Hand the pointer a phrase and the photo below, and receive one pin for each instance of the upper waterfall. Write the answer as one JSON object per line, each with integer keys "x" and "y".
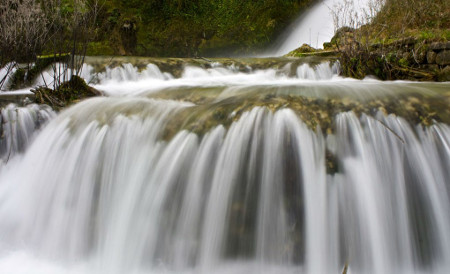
{"x": 315, "y": 27}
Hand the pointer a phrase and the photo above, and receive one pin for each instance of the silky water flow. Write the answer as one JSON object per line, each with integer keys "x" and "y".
{"x": 139, "y": 182}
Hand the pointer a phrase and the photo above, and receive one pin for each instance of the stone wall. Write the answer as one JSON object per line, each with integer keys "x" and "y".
{"x": 438, "y": 58}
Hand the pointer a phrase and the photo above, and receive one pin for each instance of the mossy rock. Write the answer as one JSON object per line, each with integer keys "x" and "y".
{"x": 314, "y": 112}
{"x": 67, "y": 93}
{"x": 305, "y": 48}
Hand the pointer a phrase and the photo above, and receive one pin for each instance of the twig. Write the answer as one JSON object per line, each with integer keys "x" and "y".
{"x": 388, "y": 128}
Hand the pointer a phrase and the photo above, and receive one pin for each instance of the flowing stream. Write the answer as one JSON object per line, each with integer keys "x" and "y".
{"x": 233, "y": 168}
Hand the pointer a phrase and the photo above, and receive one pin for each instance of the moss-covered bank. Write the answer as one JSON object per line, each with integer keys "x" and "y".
{"x": 191, "y": 28}
{"x": 407, "y": 39}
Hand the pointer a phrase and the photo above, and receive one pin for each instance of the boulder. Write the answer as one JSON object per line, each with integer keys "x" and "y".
{"x": 443, "y": 58}
{"x": 440, "y": 45}
{"x": 431, "y": 57}
{"x": 444, "y": 74}
{"x": 66, "y": 94}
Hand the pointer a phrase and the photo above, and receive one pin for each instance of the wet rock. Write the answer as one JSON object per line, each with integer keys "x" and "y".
{"x": 331, "y": 162}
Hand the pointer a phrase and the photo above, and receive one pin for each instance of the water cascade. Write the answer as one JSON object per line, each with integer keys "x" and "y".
{"x": 228, "y": 169}
{"x": 5, "y": 75}
{"x": 314, "y": 27}
{"x": 18, "y": 126}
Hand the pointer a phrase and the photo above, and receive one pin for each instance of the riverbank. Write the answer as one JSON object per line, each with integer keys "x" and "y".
{"x": 404, "y": 58}
{"x": 408, "y": 58}
{"x": 405, "y": 40}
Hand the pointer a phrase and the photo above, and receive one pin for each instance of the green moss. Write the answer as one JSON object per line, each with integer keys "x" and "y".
{"x": 446, "y": 35}
{"x": 427, "y": 35}
{"x": 66, "y": 94}
{"x": 192, "y": 28}
{"x": 99, "y": 48}
{"x": 403, "y": 62}
{"x": 314, "y": 112}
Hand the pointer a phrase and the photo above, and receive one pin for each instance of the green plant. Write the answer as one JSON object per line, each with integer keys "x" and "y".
{"x": 427, "y": 35}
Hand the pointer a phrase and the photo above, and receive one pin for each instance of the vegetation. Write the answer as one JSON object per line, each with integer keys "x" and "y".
{"x": 62, "y": 29}
{"x": 189, "y": 28}
{"x": 30, "y": 28}
{"x": 424, "y": 19}
{"x": 392, "y": 38}
{"x": 65, "y": 94}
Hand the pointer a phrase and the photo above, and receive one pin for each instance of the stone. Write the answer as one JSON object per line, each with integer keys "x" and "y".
{"x": 443, "y": 58}
{"x": 420, "y": 57}
{"x": 405, "y": 42}
{"x": 440, "y": 45}
{"x": 444, "y": 74}
{"x": 431, "y": 57}
{"x": 430, "y": 67}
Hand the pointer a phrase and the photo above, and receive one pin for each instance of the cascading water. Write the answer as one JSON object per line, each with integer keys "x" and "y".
{"x": 316, "y": 26}
{"x": 5, "y": 75}
{"x": 18, "y": 125}
{"x": 234, "y": 170}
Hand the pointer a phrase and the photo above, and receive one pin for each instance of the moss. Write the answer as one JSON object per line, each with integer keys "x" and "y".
{"x": 403, "y": 62}
{"x": 427, "y": 35}
{"x": 314, "y": 112}
{"x": 66, "y": 94}
{"x": 191, "y": 28}
{"x": 306, "y": 50}
{"x": 99, "y": 48}
{"x": 446, "y": 35}
{"x": 18, "y": 79}
{"x": 328, "y": 45}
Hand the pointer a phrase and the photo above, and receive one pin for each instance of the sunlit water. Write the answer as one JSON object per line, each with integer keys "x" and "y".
{"x": 103, "y": 189}
{"x": 316, "y": 26}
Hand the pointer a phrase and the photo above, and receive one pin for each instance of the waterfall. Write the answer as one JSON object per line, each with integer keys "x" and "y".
{"x": 18, "y": 126}
{"x": 316, "y": 25}
{"x": 5, "y": 75}
{"x": 221, "y": 170}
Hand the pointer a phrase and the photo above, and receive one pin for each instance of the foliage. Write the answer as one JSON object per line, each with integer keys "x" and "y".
{"x": 23, "y": 32}
{"x": 53, "y": 27}
{"x": 146, "y": 27}
{"x": 404, "y": 15}
{"x": 199, "y": 27}
{"x": 391, "y": 38}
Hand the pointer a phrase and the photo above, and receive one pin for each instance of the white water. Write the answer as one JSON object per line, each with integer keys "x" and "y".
{"x": 314, "y": 27}
{"x": 5, "y": 75}
{"x": 18, "y": 126}
{"x": 101, "y": 191}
